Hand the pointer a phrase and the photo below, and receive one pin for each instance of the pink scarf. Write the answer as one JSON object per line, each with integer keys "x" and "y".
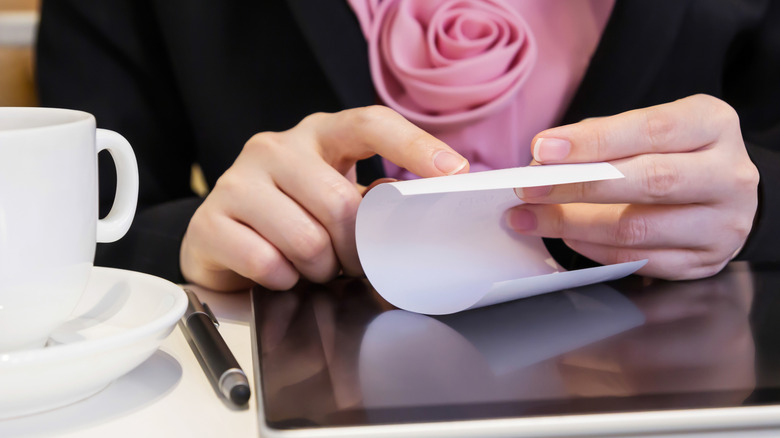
{"x": 484, "y": 76}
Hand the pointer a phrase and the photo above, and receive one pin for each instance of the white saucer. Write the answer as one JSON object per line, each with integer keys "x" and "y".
{"x": 119, "y": 323}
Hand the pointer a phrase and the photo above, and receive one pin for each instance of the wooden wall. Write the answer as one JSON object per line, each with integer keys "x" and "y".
{"x": 16, "y": 63}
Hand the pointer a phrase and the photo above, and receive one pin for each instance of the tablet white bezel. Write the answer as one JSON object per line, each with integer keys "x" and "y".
{"x": 742, "y": 421}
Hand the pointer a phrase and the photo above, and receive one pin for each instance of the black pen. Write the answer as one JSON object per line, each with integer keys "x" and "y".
{"x": 223, "y": 368}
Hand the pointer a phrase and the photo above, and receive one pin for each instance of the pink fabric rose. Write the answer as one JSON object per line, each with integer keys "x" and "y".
{"x": 448, "y": 62}
{"x": 477, "y": 75}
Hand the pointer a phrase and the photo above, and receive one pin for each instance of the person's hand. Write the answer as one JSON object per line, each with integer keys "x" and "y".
{"x": 287, "y": 206}
{"x": 310, "y": 341}
{"x": 688, "y": 200}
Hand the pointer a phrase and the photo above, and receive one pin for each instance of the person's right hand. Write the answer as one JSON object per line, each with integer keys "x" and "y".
{"x": 287, "y": 206}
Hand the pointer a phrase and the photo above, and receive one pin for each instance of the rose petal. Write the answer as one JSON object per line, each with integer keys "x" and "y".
{"x": 478, "y": 69}
{"x": 459, "y": 36}
{"x": 447, "y": 98}
{"x": 445, "y": 29}
{"x": 402, "y": 38}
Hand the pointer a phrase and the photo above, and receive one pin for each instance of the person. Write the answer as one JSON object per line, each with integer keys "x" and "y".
{"x": 280, "y": 101}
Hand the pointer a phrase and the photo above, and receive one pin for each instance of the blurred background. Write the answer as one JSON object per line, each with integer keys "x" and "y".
{"x": 18, "y": 21}
{"x": 18, "y": 25}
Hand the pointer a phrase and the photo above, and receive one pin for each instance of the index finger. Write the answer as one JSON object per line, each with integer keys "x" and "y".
{"x": 359, "y": 133}
{"x": 681, "y": 126}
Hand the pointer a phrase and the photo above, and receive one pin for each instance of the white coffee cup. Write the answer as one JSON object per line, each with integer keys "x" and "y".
{"x": 49, "y": 216}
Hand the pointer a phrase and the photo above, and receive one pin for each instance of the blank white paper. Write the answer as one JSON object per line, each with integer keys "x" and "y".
{"x": 441, "y": 245}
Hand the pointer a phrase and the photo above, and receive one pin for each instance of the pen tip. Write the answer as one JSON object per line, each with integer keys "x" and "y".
{"x": 239, "y": 394}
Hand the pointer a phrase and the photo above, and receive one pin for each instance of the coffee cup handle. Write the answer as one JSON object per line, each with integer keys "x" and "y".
{"x": 112, "y": 227}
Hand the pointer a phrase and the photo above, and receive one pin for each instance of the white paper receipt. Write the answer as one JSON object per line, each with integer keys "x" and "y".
{"x": 441, "y": 245}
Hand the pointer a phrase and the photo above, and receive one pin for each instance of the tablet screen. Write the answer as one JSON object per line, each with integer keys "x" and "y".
{"x": 339, "y": 355}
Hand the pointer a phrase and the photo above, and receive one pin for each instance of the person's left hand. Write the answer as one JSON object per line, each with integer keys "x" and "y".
{"x": 688, "y": 200}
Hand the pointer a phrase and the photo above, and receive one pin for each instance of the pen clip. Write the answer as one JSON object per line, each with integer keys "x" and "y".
{"x": 210, "y": 314}
{"x": 198, "y": 306}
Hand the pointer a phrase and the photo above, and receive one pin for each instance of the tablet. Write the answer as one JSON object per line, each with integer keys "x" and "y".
{"x": 636, "y": 357}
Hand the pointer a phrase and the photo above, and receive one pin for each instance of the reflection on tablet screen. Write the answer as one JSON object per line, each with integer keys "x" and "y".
{"x": 338, "y": 355}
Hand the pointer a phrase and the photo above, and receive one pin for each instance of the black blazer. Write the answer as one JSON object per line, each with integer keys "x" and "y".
{"x": 190, "y": 81}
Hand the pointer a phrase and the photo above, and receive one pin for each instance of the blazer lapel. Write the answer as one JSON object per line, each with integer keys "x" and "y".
{"x": 334, "y": 35}
{"x": 632, "y": 49}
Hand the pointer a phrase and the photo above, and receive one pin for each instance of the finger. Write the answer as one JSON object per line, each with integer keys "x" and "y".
{"x": 325, "y": 318}
{"x": 649, "y": 179}
{"x": 240, "y": 249}
{"x": 359, "y": 133}
{"x": 278, "y": 312}
{"x": 288, "y": 227}
{"x": 620, "y": 225}
{"x": 299, "y": 356}
{"x": 327, "y": 196}
{"x": 651, "y": 346}
{"x": 668, "y": 301}
{"x": 669, "y": 263}
{"x": 681, "y": 126}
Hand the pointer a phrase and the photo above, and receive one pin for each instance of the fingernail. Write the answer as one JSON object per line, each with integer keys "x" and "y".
{"x": 551, "y": 149}
{"x": 532, "y": 192}
{"x": 521, "y": 220}
{"x": 448, "y": 162}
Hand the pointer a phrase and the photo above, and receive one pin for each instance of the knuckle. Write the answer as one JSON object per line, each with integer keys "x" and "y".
{"x": 229, "y": 183}
{"x": 718, "y": 113}
{"x": 265, "y": 142}
{"x": 368, "y": 115}
{"x": 288, "y": 282}
{"x": 601, "y": 142}
{"x": 659, "y": 127}
{"x": 725, "y": 115}
{"x": 378, "y": 112}
{"x": 313, "y": 118}
{"x": 631, "y": 230}
{"x": 282, "y": 279}
{"x": 202, "y": 223}
{"x": 661, "y": 179}
{"x": 342, "y": 201}
{"x": 323, "y": 275}
{"x": 703, "y": 100}
{"x": 716, "y": 102}
{"x": 741, "y": 226}
{"x": 746, "y": 176}
{"x": 309, "y": 243}
{"x": 263, "y": 265}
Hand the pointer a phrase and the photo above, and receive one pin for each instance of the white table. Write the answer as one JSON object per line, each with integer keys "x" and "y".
{"x": 169, "y": 395}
